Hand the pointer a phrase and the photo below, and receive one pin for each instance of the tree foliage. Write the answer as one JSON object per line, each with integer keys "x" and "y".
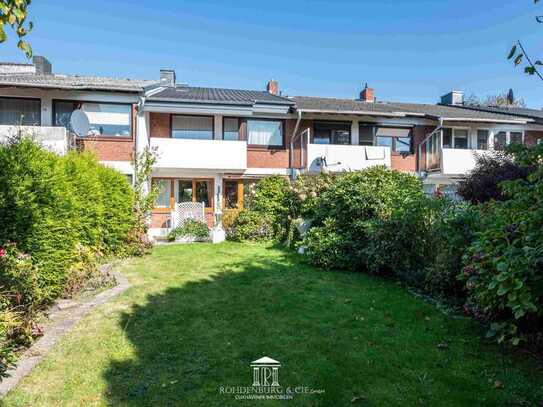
{"x": 14, "y": 14}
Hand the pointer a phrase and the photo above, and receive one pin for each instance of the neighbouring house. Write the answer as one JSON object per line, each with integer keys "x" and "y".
{"x": 214, "y": 144}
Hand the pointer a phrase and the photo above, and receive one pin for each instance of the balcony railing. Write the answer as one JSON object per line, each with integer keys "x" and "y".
{"x": 338, "y": 158}
{"x": 52, "y": 138}
{"x": 200, "y": 154}
{"x": 433, "y": 158}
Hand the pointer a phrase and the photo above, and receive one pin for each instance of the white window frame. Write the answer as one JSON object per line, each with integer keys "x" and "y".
{"x": 507, "y": 136}
{"x": 489, "y": 139}
{"x": 454, "y": 128}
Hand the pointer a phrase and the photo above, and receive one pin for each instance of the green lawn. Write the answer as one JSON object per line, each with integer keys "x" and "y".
{"x": 197, "y": 315}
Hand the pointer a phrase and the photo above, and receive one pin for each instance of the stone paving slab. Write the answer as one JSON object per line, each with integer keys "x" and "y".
{"x": 62, "y": 321}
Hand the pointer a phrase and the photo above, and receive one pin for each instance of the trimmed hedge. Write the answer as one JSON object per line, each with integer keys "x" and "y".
{"x": 57, "y": 215}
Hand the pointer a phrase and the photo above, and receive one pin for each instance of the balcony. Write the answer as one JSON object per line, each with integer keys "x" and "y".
{"x": 218, "y": 155}
{"x": 339, "y": 158}
{"x": 52, "y": 138}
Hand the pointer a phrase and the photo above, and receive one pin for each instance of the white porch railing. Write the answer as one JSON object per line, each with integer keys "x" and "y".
{"x": 339, "y": 158}
{"x": 187, "y": 210}
{"x": 52, "y": 138}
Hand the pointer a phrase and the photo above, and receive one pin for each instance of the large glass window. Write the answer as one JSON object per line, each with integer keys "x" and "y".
{"x": 204, "y": 192}
{"x": 460, "y": 139}
{"x": 365, "y": 135}
{"x": 20, "y": 112}
{"x": 515, "y": 137}
{"x": 231, "y": 128}
{"x": 231, "y": 197}
{"x": 455, "y": 138}
{"x": 399, "y": 139}
{"x": 482, "y": 139}
{"x": 164, "y": 193}
{"x": 500, "y": 140}
{"x": 265, "y": 133}
{"x": 184, "y": 190}
{"x": 332, "y": 133}
{"x": 192, "y": 127}
{"x": 105, "y": 119}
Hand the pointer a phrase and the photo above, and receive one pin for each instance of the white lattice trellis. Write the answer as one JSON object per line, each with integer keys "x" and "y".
{"x": 187, "y": 210}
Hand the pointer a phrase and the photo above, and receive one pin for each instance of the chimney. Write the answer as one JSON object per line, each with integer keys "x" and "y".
{"x": 167, "y": 78}
{"x": 453, "y": 98}
{"x": 273, "y": 87}
{"x": 41, "y": 65}
{"x": 367, "y": 94}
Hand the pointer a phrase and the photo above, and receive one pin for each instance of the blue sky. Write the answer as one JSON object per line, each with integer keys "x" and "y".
{"x": 407, "y": 50}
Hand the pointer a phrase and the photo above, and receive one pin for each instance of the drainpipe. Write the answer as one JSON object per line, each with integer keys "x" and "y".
{"x": 438, "y": 128}
{"x": 292, "y": 140}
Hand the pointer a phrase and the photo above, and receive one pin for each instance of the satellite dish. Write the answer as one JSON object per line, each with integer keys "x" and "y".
{"x": 79, "y": 123}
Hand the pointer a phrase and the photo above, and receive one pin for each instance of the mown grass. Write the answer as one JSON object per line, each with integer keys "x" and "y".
{"x": 197, "y": 315}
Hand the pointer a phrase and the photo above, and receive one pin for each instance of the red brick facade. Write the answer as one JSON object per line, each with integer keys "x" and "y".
{"x": 160, "y": 125}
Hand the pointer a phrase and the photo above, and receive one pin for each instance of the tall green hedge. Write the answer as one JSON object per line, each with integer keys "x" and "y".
{"x": 57, "y": 215}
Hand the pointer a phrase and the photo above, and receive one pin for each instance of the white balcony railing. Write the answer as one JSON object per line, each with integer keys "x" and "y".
{"x": 338, "y": 158}
{"x": 52, "y": 138}
{"x": 458, "y": 161}
{"x": 200, "y": 154}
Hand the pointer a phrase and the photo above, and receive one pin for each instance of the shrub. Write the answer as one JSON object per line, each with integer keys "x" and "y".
{"x": 482, "y": 184}
{"x": 191, "y": 229}
{"x": 58, "y": 215}
{"x": 273, "y": 198}
{"x": 503, "y": 274}
{"x": 228, "y": 220}
{"x": 251, "y": 226}
{"x": 307, "y": 190}
{"x": 348, "y": 210}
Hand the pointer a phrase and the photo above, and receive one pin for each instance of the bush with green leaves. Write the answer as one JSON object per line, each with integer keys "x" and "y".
{"x": 503, "y": 274}
{"x": 274, "y": 198}
{"x": 190, "y": 229}
{"x": 482, "y": 184}
{"x": 62, "y": 214}
{"x": 252, "y": 225}
{"x": 348, "y": 210}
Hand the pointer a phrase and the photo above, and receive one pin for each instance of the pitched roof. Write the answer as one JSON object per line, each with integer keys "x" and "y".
{"x": 453, "y": 112}
{"x": 184, "y": 93}
{"x": 334, "y": 105}
{"x": 73, "y": 82}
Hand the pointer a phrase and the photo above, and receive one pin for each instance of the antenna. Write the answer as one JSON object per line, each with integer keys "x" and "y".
{"x": 79, "y": 123}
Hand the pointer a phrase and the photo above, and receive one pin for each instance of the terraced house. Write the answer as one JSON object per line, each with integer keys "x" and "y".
{"x": 214, "y": 144}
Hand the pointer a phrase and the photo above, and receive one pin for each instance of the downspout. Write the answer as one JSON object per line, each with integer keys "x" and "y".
{"x": 438, "y": 128}
{"x": 292, "y": 140}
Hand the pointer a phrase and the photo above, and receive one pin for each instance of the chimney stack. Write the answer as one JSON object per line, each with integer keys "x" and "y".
{"x": 367, "y": 95}
{"x": 273, "y": 87}
{"x": 42, "y": 65}
{"x": 167, "y": 78}
{"x": 453, "y": 98}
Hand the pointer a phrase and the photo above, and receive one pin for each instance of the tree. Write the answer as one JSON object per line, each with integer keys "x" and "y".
{"x": 13, "y": 13}
{"x": 519, "y": 55}
{"x": 504, "y": 99}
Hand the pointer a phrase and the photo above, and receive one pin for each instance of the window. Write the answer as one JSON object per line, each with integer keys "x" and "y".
{"x": 265, "y": 133}
{"x": 399, "y": 139}
{"x": 249, "y": 190}
{"x": 231, "y": 198}
{"x": 460, "y": 139}
{"x": 105, "y": 119}
{"x": 500, "y": 140}
{"x": 230, "y": 129}
{"x": 455, "y": 138}
{"x": 20, "y": 112}
{"x": 332, "y": 133}
{"x": 482, "y": 139}
{"x": 365, "y": 135}
{"x": 164, "y": 193}
{"x": 515, "y": 137}
{"x": 203, "y": 192}
{"x": 184, "y": 190}
{"x": 192, "y": 127}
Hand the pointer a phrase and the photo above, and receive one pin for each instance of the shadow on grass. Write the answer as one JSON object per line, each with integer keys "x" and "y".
{"x": 359, "y": 339}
